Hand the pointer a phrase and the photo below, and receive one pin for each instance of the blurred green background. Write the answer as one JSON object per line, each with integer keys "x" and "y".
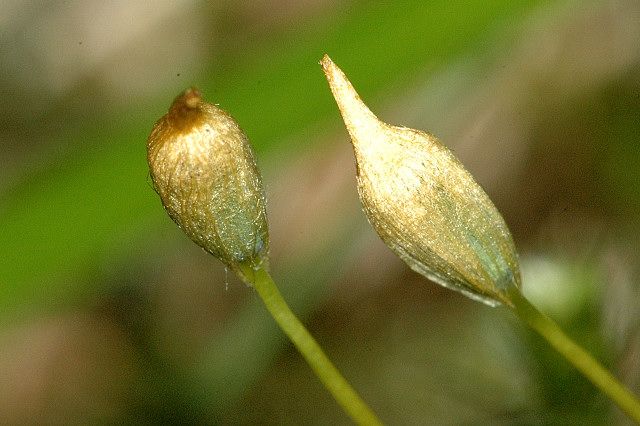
{"x": 108, "y": 314}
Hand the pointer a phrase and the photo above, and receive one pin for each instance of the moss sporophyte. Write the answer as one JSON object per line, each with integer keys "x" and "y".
{"x": 204, "y": 170}
{"x": 205, "y": 173}
{"x": 424, "y": 205}
{"x": 419, "y": 198}
{"x": 431, "y": 212}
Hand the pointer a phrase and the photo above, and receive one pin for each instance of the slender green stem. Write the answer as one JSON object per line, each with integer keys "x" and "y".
{"x": 341, "y": 390}
{"x": 577, "y": 356}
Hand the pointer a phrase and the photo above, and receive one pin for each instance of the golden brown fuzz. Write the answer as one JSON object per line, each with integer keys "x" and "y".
{"x": 424, "y": 205}
{"x": 204, "y": 170}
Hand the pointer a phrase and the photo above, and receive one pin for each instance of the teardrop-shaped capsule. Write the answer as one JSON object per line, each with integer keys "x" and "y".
{"x": 203, "y": 168}
{"x": 424, "y": 205}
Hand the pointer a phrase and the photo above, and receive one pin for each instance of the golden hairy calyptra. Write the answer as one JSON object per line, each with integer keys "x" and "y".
{"x": 203, "y": 168}
{"x": 424, "y": 205}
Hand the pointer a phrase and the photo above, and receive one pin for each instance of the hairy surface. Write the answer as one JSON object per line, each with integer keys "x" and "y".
{"x": 424, "y": 205}
{"x": 204, "y": 170}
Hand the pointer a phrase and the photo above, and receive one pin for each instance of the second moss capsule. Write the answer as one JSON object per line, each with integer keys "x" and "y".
{"x": 204, "y": 170}
{"x": 424, "y": 205}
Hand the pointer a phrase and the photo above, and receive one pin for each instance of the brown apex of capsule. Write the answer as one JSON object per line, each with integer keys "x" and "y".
{"x": 184, "y": 111}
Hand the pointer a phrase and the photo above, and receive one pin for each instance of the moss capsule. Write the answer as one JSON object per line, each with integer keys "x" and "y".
{"x": 204, "y": 171}
{"x": 424, "y": 205}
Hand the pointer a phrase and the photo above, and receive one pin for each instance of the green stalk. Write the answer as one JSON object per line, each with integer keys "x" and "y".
{"x": 328, "y": 374}
{"x": 576, "y": 355}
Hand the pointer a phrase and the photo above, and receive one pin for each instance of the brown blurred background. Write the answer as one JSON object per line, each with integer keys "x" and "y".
{"x": 108, "y": 314}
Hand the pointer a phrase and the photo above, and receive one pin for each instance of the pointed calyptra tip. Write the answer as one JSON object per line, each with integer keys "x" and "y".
{"x": 425, "y": 206}
{"x": 331, "y": 71}
{"x": 357, "y": 116}
{"x": 326, "y": 62}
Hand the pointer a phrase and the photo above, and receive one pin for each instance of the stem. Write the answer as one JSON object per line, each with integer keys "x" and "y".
{"x": 577, "y": 356}
{"x": 328, "y": 374}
